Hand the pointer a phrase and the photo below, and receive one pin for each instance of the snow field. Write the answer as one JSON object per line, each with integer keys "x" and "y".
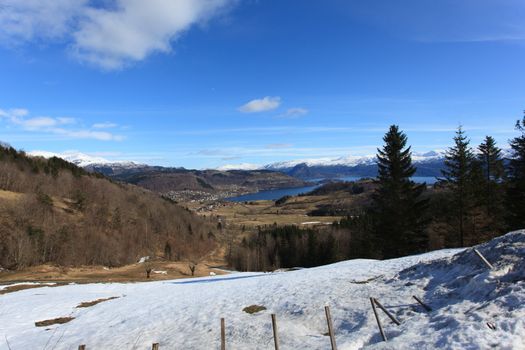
{"x": 185, "y": 314}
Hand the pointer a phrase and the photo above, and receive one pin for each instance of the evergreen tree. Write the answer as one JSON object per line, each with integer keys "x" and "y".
{"x": 492, "y": 169}
{"x": 516, "y": 180}
{"x": 397, "y": 204}
{"x": 458, "y": 177}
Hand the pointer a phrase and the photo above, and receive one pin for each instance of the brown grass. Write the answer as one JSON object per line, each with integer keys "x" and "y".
{"x": 260, "y": 213}
{"x": 19, "y": 287}
{"x": 60, "y": 320}
{"x": 252, "y": 309}
{"x": 94, "y": 274}
{"x": 9, "y": 195}
{"x": 95, "y": 302}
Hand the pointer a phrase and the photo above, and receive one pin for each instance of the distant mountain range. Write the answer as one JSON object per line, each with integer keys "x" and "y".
{"x": 428, "y": 164}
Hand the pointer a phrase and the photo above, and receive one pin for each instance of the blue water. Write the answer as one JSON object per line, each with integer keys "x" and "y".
{"x": 276, "y": 194}
{"x": 272, "y": 194}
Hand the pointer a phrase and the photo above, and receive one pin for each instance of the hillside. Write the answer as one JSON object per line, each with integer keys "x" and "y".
{"x": 472, "y": 307}
{"x": 52, "y": 211}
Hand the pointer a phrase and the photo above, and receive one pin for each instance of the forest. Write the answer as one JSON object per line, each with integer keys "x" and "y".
{"x": 52, "y": 211}
{"x": 479, "y": 195}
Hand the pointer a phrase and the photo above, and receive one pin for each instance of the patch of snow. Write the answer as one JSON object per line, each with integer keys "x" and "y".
{"x": 143, "y": 259}
{"x": 81, "y": 159}
{"x": 185, "y": 314}
{"x": 212, "y": 273}
{"x": 160, "y": 272}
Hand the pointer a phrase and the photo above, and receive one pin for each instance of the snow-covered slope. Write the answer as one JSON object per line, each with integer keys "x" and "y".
{"x": 83, "y": 160}
{"x": 185, "y": 314}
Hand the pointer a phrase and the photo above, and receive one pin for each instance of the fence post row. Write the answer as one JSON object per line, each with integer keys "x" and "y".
{"x": 373, "y": 301}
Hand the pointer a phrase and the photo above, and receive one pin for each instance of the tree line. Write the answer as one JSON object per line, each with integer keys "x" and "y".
{"x": 480, "y": 195}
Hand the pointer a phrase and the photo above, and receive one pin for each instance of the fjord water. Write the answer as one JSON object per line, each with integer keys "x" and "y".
{"x": 293, "y": 191}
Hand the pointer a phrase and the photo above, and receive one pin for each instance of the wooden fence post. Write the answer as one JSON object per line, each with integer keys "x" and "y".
{"x": 392, "y": 317}
{"x": 330, "y": 327}
{"x": 155, "y": 346}
{"x": 372, "y": 301}
{"x": 81, "y": 347}
{"x": 223, "y": 335}
{"x": 275, "y": 335}
{"x": 483, "y": 259}
{"x": 425, "y": 306}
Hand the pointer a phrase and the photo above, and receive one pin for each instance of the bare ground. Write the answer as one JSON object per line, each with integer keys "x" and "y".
{"x": 93, "y": 274}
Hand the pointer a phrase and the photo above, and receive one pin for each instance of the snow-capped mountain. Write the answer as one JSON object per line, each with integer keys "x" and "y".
{"x": 242, "y": 166}
{"x": 83, "y": 160}
{"x": 346, "y": 161}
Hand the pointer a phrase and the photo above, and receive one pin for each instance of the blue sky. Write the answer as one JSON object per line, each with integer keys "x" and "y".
{"x": 204, "y": 83}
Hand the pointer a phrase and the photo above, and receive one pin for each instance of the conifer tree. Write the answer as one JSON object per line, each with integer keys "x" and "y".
{"x": 516, "y": 180}
{"x": 397, "y": 204}
{"x": 491, "y": 163}
{"x": 458, "y": 177}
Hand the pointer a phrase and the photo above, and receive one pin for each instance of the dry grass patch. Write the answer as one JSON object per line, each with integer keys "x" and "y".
{"x": 60, "y": 320}
{"x": 95, "y": 302}
{"x": 252, "y": 309}
{"x": 9, "y": 195}
{"x": 19, "y": 287}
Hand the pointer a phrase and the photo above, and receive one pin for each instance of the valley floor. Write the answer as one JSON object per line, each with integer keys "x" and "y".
{"x": 162, "y": 270}
{"x": 185, "y": 313}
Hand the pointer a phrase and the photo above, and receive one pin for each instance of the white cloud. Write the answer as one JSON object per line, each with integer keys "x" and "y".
{"x": 106, "y": 125}
{"x": 27, "y": 20}
{"x": 14, "y": 113}
{"x": 261, "y": 105}
{"x": 57, "y": 126}
{"x": 294, "y": 113}
{"x": 278, "y": 145}
{"x": 109, "y": 37}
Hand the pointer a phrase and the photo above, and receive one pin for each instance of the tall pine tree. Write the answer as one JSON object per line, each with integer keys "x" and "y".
{"x": 458, "y": 177}
{"x": 491, "y": 163}
{"x": 515, "y": 198}
{"x": 397, "y": 204}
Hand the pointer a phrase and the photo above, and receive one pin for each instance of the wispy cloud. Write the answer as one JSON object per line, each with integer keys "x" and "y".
{"x": 106, "y": 125}
{"x": 261, "y": 105}
{"x": 278, "y": 145}
{"x": 292, "y": 113}
{"x": 62, "y": 126}
{"x": 110, "y": 35}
